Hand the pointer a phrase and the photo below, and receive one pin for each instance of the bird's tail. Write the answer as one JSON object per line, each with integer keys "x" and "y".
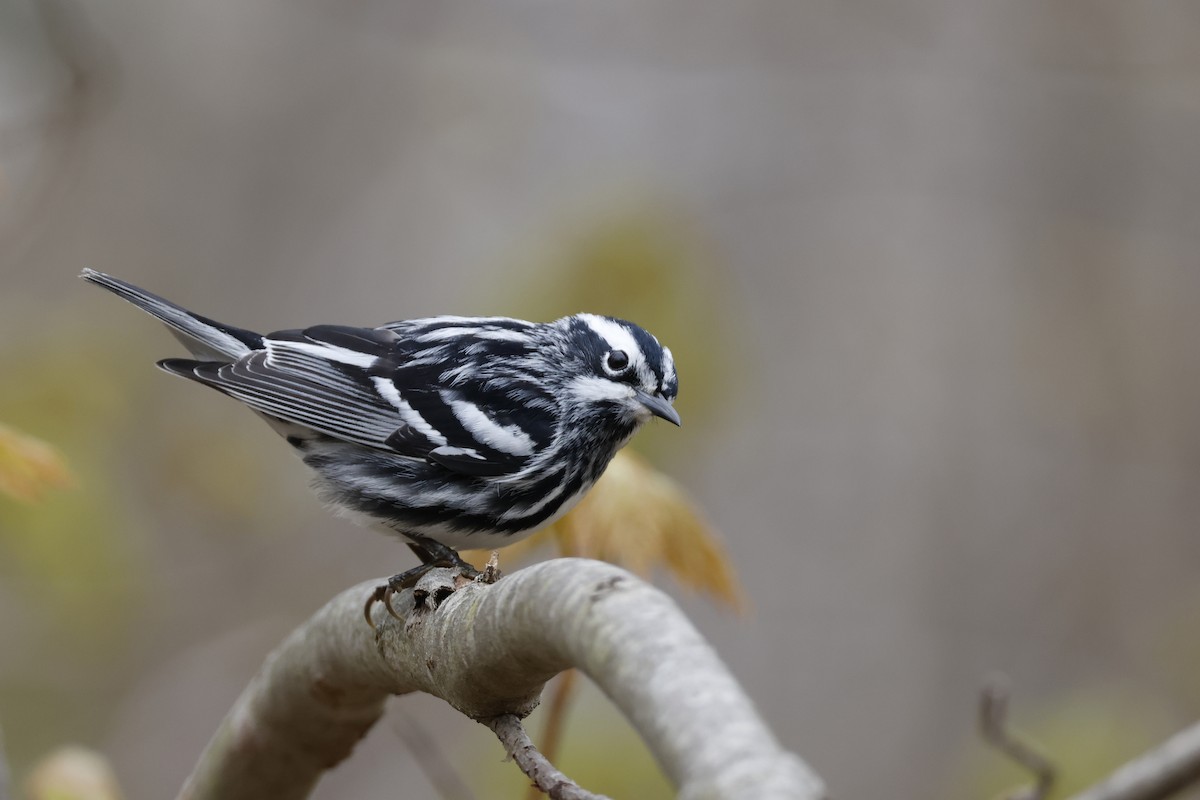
{"x": 203, "y": 337}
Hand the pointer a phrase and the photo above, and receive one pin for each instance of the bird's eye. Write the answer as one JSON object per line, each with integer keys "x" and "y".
{"x": 616, "y": 361}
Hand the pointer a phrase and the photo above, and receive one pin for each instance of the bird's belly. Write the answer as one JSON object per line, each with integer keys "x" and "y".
{"x": 496, "y": 524}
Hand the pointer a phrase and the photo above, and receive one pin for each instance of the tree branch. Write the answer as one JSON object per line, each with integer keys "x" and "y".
{"x": 555, "y": 721}
{"x": 1156, "y": 775}
{"x": 544, "y": 775}
{"x": 487, "y": 651}
{"x": 993, "y": 724}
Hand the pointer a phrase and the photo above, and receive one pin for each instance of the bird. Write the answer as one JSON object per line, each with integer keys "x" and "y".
{"x": 450, "y": 432}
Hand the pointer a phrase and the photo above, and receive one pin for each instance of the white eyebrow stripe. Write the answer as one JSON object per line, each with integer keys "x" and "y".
{"x": 505, "y": 438}
{"x": 410, "y": 415}
{"x": 617, "y": 336}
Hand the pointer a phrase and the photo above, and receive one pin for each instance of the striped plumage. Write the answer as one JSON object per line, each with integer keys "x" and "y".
{"x": 470, "y": 432}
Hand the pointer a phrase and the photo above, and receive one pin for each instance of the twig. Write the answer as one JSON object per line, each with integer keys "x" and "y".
{"x": 555, "y": 720}
{"x": 1155, "y": 775}
{"x": 993, "y": 724}
{"x": 440, "y": 772}
{"x": 545, "y": 776}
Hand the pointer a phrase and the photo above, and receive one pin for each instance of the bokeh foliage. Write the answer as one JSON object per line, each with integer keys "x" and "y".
{"x": 71, "y": 558}
{"x": 74, "y": 549}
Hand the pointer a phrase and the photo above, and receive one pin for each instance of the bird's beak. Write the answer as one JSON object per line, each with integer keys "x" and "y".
{"x": 658, "y": 406}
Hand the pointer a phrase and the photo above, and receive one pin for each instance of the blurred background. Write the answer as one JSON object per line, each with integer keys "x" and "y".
{"x": 929, "y": 268}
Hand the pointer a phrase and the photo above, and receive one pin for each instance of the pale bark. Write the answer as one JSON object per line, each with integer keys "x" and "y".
{"x": 487, "y": 651}
{"x": 1161, "y": 773}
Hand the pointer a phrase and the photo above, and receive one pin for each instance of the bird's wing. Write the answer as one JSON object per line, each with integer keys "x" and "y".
{"x": 346, "y": 383}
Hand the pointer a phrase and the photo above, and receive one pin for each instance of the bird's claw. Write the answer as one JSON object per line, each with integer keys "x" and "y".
{"x": 387, "y": 602}
{"x": 382, "y": 594}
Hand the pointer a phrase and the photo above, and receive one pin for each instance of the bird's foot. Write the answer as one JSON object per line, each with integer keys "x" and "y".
{"x": 445, "y": 557}
{"x": 440, "y": 555}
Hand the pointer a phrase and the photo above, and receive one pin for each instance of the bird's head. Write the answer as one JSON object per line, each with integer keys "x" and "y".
{"x": 618, "y": 369}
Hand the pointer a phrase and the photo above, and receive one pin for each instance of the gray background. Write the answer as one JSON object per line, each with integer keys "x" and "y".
{"x": 955, "y": 428}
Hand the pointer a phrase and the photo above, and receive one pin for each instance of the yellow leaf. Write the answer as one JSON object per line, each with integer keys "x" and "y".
{"x": 29, "y": 466}
{"x": 638, "y": 518}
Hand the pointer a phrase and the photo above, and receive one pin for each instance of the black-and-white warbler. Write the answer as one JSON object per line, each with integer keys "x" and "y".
{"x": 452, "y": 432}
